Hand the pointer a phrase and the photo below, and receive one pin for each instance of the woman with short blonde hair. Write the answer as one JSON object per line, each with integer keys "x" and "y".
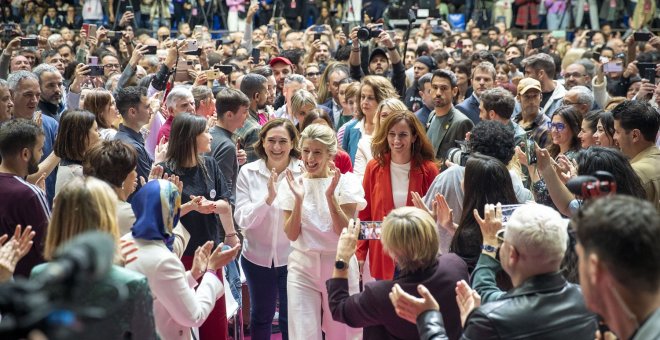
{"x": 410, "y": 237}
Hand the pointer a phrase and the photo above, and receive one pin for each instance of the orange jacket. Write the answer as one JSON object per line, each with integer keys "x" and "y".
{"x": 377, "y": 185}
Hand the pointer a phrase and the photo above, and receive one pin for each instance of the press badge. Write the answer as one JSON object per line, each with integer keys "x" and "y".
{"x": 212, "y": 193}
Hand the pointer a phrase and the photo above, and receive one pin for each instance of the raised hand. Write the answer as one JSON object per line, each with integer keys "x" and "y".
{"x": 201, "y": 260}
{"x": 467, "y": 300}
{"x": 272, "y": 187}
{"x": 491, "y": 223}
{"x": 296, "y": 186}
{"x": 336, "y": 175}
{"x": 409, "y": 307}
{"x": 220, "y": 258}
{"x": 418, "y": 202}
{"x": 444, "y": 216}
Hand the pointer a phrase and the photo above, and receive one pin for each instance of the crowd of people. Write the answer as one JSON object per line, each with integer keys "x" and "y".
{"x": 508, "y": 184}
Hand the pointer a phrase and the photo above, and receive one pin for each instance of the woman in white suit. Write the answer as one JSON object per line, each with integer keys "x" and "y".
{"x": 177, "y": 305}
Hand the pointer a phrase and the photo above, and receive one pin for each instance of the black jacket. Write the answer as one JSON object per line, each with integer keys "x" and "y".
{"x": 544, "y": 307}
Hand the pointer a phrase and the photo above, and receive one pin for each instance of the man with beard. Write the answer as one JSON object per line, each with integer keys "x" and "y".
{"x": 447, "y": 124}
{"x": 21, "y": 145}
{"x": 26, "y": 93}
{"x": 52, "y": 57}
{"x": 281, "y": 67}
{"x": 255, "y": 87}
{"x": 292, "y": 83}
{"x": 379, "y": 61}
{"x": 483, "y": 78}
{"x": 51, "y": 85}
{"x": 337, "y": 72}
{"x": 265, "y": 71}
{"x": 579, "y": 73}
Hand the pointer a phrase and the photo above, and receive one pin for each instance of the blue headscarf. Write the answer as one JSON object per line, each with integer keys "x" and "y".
{"x": 156, "y": 206}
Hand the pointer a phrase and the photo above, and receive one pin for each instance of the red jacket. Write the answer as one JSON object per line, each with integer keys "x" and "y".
{"x": 377, "y": 185}
{"x": 528, "y": 13}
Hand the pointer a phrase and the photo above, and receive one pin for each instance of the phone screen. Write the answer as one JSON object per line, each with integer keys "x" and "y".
{"x": 370, "y": 230}
{"x": 613, "y": 67}
{"x": 256, "y": 54}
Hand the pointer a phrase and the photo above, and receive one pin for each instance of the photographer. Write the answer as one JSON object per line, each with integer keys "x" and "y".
{"x": 388, "y": 64}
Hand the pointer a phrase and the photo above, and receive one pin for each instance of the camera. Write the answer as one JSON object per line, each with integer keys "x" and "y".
{"x": 459, "y": 155}
{"x": 365, "y": 33}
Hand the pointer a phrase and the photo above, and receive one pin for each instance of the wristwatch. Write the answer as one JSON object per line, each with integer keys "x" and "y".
{"x": 488, "y": 248}
{"x": 341, "y": 264}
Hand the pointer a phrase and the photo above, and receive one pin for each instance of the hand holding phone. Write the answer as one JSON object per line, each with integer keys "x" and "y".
{"x": 642, "y": 36}
{"x": 537, "y": 43}
{"x": 370, "y": 230}
{"x": 613, "y": 67}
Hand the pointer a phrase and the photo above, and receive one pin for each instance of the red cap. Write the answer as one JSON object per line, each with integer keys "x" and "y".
{"x": 279, "y": 60}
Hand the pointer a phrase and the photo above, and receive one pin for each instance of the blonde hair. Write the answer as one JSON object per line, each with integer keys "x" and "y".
{"x": 382, "y": 88}
{"x": 392, "y": 104}
{"x": 572, "y": 55}
{"x": 322, "y": 134}
{"x": 409, "y": 235}
{"x": 301, "y": 98}
{"x": 82, "y": 205}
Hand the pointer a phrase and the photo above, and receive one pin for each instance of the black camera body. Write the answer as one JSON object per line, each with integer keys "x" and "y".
{"x": 459, "y": 155}
{"x": 365, "y": 33}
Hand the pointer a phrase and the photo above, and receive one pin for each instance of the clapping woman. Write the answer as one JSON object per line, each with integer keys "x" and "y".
{"x": 403, "y": 163}
{"x": 317, "y": 206}
{"x": 266, "y": 247}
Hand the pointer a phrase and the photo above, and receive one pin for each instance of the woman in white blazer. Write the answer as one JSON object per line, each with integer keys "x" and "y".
{"x": 265, "y": 246}
{"x": 177, "y": 305}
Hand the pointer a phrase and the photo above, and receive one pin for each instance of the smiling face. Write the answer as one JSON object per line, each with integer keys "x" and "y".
{"x": 601, "y": 138}
{"x": 315, "y": 156}
{"x": 26, "y": 98}
{"x": 400, "y": 139}
{"x": 560, "y": 131}
{"x": 277, "y": 145}
{"x": 586, "y": 135}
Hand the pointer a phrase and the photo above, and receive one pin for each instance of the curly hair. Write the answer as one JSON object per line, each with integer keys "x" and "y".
{"x": 493, "y": 139}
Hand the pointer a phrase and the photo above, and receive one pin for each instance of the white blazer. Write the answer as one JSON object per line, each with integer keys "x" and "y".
{"x": 177, "y": 306}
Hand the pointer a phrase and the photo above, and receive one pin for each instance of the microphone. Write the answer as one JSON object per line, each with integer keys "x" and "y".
{"x": 86, "y": 257}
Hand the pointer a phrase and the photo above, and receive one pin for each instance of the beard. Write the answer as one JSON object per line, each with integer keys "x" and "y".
{"x": 33, "y": 165}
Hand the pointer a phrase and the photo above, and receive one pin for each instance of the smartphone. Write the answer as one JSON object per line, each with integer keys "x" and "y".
{"x": 613, "y": 66}
{"x": 29, "y": 42}
{"x": 642, "y": 36}
{"x": 129, "y": 8}
{"x": 151, "y": 50}
{"x": 559, "y": 34}
{"x": 392, "y": 34}
{"x": 226, "y": 69}
{"x": 530, "y": 150}
{"x": 644, "y": 66}
{"x": 115, "y": 34}
{"x": 507, "y": 211}
{"x": 256, "y": 54}
{"x": 196, "y": 52}
{"x": 164, "y": 37}
{"x": 537, "y": 43}
{"x": 92, "y": 30}
{"x": 182, "y": 68}
{"x": 595, "y": 56}
{"x": 648, "y": 74}
{"x": 212, "y": 74}
{"x": 95, "y": 70}
{"x": 92, "y": 61}
{"x": 85, "y": 28}
{"x": 370, "y": 230}
{"x": 317, "y": 36}
{"x": 604, "y": 60}
{"x": 197, "y": 30}
{"x": 270, "y": 31}
{"x": 346, "y": 28}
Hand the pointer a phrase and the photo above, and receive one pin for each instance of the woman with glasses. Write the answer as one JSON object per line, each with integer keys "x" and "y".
{"x": 564, "y": 129}
{"x": 313, "y": 73}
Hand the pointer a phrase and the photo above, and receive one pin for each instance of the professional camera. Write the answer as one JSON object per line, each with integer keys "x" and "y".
{"x": 365, "y": 33}
{"x": 601, "y": 183}
{"x": 459, "y": 155}
{"x": 48, "y": 302}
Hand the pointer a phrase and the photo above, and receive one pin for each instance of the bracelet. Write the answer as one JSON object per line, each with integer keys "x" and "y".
{"x": 231, "y": 235}
{"x": 391, "y": 48}
{"x": 355, "y": 49}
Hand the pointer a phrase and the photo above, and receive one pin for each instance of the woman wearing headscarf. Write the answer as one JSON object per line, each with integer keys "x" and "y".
{"x": 178, "y": 306}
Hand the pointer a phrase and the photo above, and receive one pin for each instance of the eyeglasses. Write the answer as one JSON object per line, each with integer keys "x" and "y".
{"x": 573, "y": 75}
{"x": 111, "y": 65}
{"x": 556, "y": 126}
{"x": 313, "y": 74}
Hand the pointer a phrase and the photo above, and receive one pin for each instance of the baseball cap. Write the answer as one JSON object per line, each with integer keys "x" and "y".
{"x": 527, "y": 84}
{"x": 279, "y": 60}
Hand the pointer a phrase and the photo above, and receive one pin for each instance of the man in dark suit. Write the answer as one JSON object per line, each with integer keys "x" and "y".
{"x": 483, "y": 78}
{"x": 336, "y": 74}
{"x": 425, "y": 92}
{"x": 447, "y": 124}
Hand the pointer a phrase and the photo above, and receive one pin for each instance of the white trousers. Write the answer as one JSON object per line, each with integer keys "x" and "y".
{"x": 307, "y": 297}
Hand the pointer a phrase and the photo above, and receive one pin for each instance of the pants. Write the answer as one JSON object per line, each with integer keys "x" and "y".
{"x": 215, "y": 327}
{"x": 593, "y": 14}
{"x": 265, "y": 286}
{"x": 309, "y": 312}
{"x": 557, "y": 20}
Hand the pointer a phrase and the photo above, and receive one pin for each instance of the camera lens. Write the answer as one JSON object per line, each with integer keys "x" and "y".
{"x": 364, "y": 34}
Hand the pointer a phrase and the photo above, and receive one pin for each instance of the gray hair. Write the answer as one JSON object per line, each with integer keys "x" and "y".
{"x": 54, "y": 37}
{"x": 152, "y": 60}
{"x": 584, "y": 95}
{"x": 16, "y": 77}
{"x": 3, "y": 83}
{"x": 178, "y": 93}
{"x": 294, "y": 78}
{"x": 43, "y": 68}
{"x": 200, "y": 93}
{"x": 539, "y": 232}
{"x": 588, "y": 65}
{"x": 541, "y": 61}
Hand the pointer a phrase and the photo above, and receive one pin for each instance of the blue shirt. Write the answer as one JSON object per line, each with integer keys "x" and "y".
{"x": 50, "y": 127}
{"x": 136, "y": 140}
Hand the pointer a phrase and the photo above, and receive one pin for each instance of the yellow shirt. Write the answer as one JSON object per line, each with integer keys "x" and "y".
{"x": 647, "y": 166}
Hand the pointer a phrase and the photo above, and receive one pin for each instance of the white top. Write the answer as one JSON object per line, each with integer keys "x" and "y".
{"x": 265, "y": 243}
{"x": 317, "y": 234}
{"x": 363, "y": 154}
{"x": 177, "y": 306}
{"x": 65, "y": 173}
{"x": 400, "y": 176}
{"x": 92, "y": 10}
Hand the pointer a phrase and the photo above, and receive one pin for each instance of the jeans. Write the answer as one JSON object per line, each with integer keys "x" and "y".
{"x": 234, "y": 279}
{"x": 557, "y": 21}
{"x": 265, "y": 285}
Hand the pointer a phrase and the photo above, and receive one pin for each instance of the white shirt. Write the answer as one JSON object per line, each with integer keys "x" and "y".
{"x": 363, "y": 155}
{"x": 265, "y": 243}
{"x": 400, "y": 177}
{"x": 317, "y": 234}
